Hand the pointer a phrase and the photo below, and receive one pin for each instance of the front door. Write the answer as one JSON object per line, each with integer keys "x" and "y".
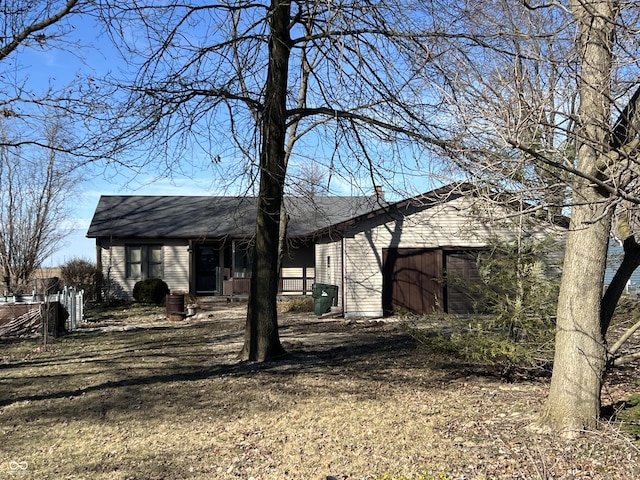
{"x": 207, "y": 269}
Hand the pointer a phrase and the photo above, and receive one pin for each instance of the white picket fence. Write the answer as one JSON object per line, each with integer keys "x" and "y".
{"x": 70, "y": 298}
{"x": 73, "y": 301}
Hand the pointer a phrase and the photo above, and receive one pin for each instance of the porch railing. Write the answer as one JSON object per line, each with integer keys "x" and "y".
{"x": 286, "y": 286}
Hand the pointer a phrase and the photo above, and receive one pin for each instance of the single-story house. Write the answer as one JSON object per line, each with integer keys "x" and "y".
{"x": 203, "y": 244}
{"x": 382, "y": 256}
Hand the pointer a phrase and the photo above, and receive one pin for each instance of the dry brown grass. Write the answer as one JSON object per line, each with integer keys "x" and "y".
{"x": 143, "y": 398}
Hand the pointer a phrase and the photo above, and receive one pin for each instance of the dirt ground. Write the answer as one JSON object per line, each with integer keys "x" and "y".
{"x": 144, "y": 398}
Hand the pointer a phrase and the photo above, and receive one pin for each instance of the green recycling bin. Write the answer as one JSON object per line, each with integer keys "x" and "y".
{"x": 323, "y": 297}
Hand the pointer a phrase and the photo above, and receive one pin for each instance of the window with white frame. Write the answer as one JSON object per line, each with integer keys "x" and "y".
{"x": 144, "y": 261}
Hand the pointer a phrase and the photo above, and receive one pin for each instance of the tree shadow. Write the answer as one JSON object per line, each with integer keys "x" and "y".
{"x": 364, "y": 355}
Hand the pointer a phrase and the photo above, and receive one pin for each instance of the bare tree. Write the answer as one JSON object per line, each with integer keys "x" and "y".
{"x": 252, "y": 86}
{"x": 32, "y": 205}
{"x": 534, "y": 108}
{"x": 40, "y": 26}
{"x": 509, "y": 75}
{"x": 37, "y": 116}
{"x": 24, "y": 22}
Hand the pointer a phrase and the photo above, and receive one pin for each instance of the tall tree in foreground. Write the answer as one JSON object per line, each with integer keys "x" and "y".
{"x": 537, "y": 114}
{"x": 261, "y": 341}
{"x": 257, "y": 87}
{"x": 579, "y": 362}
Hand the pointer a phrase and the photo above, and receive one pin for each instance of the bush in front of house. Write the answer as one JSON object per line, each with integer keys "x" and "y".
{"x": 486, "y": 346}
{"x": 513, "y": 333}
{"x": 150, "y": 290}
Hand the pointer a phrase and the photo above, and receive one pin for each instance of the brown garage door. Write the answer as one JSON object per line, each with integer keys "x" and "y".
{"x": 411, "y": 280}
{"x": 461, "y": 293}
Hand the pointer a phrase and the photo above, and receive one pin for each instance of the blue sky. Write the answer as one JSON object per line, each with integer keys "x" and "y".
{"x": 61, "y": 67}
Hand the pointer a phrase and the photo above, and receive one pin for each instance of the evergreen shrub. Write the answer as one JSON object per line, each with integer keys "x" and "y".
{"x": 150, "y": 290}
{"x": 513, "y": 332}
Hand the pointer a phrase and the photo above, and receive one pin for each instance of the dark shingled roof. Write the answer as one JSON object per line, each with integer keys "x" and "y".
{"x": 145, "y": 216}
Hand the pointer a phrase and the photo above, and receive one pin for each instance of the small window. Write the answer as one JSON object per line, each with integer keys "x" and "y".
{"x": 154, "y": 268}
{"x": 144, "y": 261}
{"x": 134, "y": 262}
{"x": 243, "y": 257}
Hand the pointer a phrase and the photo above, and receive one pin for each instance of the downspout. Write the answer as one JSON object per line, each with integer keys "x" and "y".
{"x": 100, "y": 279}
{"x": 232, "y": 273}
{"x": 344, "y": 275}
{"x": 191, "y": 278}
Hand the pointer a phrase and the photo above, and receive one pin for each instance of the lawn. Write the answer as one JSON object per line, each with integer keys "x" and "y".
{"x": 133, "y": 396}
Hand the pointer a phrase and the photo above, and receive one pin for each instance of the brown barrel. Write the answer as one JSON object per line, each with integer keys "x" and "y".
{"x": 175, "y": 307}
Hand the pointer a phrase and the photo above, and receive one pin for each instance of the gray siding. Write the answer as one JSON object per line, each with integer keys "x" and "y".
{"x": 329, "y": 266}
{"x": 460, "y": 223}
{"x": 175, "y": 264}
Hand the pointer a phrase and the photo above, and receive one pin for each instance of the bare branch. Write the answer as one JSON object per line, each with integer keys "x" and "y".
{"x": 626, "y": 359}
{"x": 623, "y": 338}
{"x": 21, "y": 36}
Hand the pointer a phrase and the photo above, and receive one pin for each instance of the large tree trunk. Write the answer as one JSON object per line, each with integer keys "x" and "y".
{"x": 261, "y": 339}
{"x": 573, "y": 403}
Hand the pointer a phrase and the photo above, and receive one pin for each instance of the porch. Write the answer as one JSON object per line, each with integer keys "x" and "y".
{"x": 296, "y": 281}
{"x": 224, "y": 269}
